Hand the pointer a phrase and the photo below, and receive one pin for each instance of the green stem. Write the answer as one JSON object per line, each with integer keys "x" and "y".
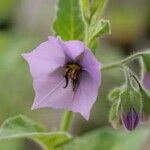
{"x": 66, "y": 121}
{"x": 124, "y": 61}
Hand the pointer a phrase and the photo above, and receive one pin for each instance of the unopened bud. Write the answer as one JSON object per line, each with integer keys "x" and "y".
{"x": 131, "y": 106}
{"x": 131, "y": 119}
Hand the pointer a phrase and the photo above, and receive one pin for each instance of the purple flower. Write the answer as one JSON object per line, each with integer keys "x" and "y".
{"x": 66, "y": 75}
{"x": 131, "y": 119}
{"x": 146, "y": 81}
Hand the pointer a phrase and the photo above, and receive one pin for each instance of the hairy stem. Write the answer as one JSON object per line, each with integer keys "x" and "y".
{"x": 66, "y": 121}
{"x": 124, "y": 61}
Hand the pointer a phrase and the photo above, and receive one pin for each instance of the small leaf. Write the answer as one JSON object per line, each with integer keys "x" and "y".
{"x": 69, "y": 23}
{"x": 114, "y": 115}
{"x": 102, "y": 27}
{"x": 94, "y": 27}
{"x": 22, "y": 127}
{"x": 97, "y": 7}
{"x": 145, "y": 99}
{"x": 114, "y": 95}
{"x": 21, "y": 123}
{"x": 146, "y": 103}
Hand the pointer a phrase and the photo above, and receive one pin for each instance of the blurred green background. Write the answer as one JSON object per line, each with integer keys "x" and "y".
{"x": 26, "y": 23}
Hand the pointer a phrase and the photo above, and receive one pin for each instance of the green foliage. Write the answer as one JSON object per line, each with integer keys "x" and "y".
{"x": 94, "y": 27}
{"x": 107, "y": 139}
{"x": 146, "y": 104}
{"x": 92, "y": 10}
{"x": 18, "y": 124}
{"x": 98, "y": 29}
{"x": 97, "y": 7}
{"x": 114, "y": 95}
{"x": 69, "y": 23}
{"x": 21, "y": 127}
{"x": 114, "y": 115}
{"x": 145, "y": 100}
{"x": 131, "y": 96}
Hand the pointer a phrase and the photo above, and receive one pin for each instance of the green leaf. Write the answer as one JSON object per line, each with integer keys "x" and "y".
{"x": 98, "y": 29}
{"x": 92, "y": 10}
{"x": 97, "y": 7}
{"x": 107, "y": 139}
{"x": 20, "y": 123}
{"x": 145, "y": 101}
{"x": 114, "y": 95}
{"x": 69, "y": 23}
{"x": 131, "y": 96}
{"x": 114, "y": 115}
{"x": 22, "y": 127}
{"x": 146, "y": 104}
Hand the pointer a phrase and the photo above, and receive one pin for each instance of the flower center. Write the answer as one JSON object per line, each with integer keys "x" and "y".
{"x": 72, "y": 71}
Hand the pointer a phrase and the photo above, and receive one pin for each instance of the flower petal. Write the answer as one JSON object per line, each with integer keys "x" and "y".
{"x": 47, "y": 57}
{"x": 50, "y": 91}
{"x": 89, "y": 59}
{"x": 72, "y": 48}
{"x": 91, "y": 65}
{"x": 47, "y": 68}
{"x": 85, "y": 95}
{"x": 75, "y": 47}
{"x": 52, "y": 94}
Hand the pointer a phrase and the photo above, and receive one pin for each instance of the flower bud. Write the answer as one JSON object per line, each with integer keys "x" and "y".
{"x": 131, "y": 106}
{"x": 131, "y": 119}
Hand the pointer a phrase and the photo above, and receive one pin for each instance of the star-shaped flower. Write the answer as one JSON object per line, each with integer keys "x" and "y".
{"x": 66, "y": 75}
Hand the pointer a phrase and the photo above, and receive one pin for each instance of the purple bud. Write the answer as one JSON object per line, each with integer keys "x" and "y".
{"x": 131, "y": 119}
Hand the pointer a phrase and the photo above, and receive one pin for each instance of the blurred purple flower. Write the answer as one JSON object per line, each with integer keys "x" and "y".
{"x": 66, "y": 75}
{"x": 131, "y": 119}
{"x": 146, "y": 81}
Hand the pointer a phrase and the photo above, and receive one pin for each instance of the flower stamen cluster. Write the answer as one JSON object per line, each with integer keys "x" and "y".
{"x": 72, "y": 71}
